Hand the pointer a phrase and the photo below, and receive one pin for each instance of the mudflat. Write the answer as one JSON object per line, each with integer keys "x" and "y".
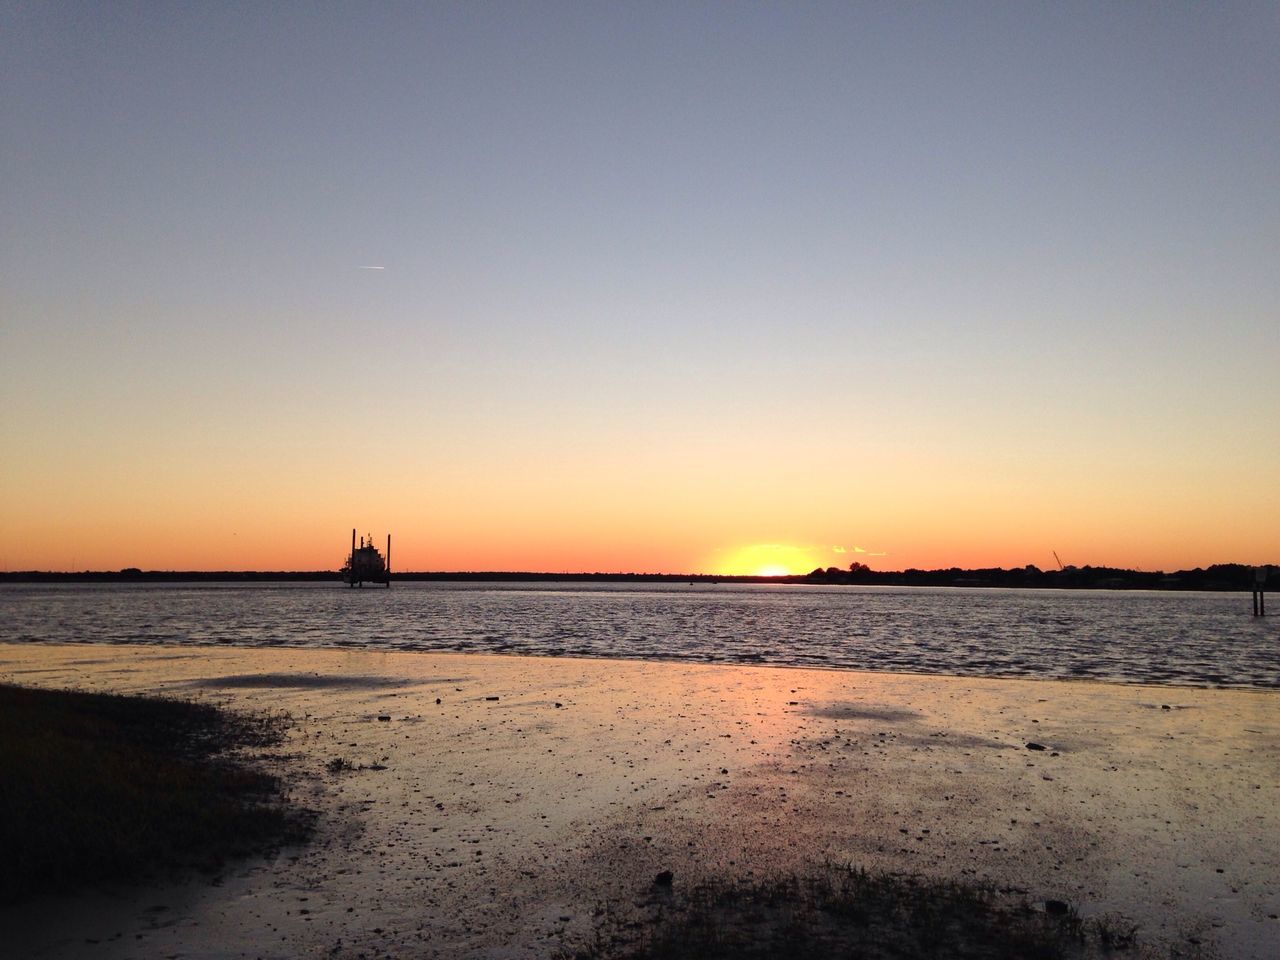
{"x": 499, "y": 806}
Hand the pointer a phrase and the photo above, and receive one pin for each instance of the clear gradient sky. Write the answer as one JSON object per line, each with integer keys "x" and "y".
{"x": 663, "y": 286}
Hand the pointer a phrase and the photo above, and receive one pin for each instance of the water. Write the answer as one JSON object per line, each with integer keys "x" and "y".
{"x": 1130, "y": 636}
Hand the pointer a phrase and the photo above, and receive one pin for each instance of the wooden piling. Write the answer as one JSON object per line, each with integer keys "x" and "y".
{"x": 1259, "y": 591}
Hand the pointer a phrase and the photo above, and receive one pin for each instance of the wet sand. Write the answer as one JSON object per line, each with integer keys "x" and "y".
{"x": 539, "y": 792}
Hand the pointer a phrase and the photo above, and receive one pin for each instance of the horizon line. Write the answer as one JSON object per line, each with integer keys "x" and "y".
{"x": 551, "y": 574}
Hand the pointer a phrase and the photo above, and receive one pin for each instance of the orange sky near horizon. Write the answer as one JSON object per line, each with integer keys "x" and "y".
{"x": 216, "y": 510}
{"x": 274, "y": 476}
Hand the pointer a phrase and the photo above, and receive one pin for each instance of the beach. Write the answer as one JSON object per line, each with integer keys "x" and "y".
{"x": 501, "y": 806}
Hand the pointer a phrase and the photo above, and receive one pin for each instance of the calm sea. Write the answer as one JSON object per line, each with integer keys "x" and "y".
{"x": 1130, "y": 636}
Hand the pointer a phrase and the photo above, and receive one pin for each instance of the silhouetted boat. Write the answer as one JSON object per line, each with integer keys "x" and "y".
{"x": 366, "y": 564}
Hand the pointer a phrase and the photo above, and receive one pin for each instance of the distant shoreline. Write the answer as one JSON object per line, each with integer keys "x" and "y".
{"x": 1219, "y": 577}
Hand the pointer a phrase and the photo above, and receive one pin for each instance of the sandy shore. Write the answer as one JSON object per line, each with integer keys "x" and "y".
{"x": 508, "y": 800}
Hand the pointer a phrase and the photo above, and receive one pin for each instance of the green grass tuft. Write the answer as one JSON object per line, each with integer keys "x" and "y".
{"x": 846, "y": 912}
{"x": 100, "y": 787}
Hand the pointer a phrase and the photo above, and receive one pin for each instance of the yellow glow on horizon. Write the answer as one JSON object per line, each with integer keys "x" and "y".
{"x": 769, "y": 560}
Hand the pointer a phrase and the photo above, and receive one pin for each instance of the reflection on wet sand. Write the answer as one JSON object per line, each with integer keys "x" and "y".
{"x": 307, "y": 681}
{"x": 502, "y": 799}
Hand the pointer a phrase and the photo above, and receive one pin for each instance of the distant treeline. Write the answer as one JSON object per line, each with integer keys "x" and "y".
{"x": 1220, "y": 576}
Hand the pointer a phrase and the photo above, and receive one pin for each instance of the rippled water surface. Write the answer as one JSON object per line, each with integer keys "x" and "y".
{"x": 1130, "y": 636}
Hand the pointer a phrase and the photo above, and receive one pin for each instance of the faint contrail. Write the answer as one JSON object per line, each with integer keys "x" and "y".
{"x": 362, "y": 266}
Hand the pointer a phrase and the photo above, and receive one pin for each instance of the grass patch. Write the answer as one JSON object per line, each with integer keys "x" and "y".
{"x": 100, "y": 787}
{"x": 845, "y": 912}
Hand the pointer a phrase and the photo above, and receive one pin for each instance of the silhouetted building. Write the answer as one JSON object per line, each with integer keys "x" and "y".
{"x": 366, "y": 564}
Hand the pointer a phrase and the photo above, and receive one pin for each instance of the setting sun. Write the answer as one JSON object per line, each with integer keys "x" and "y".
{"x": 769, "y": 560}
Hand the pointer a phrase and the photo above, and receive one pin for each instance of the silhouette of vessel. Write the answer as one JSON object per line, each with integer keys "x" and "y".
{"x": 366, "y": 564}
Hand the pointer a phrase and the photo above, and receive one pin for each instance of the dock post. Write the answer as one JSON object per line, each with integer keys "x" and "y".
{"x": 351, "y": 562}
{"x": 1259, "y": 595}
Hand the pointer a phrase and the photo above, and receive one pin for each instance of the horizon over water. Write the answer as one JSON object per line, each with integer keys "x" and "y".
{"x": 1182, "y": 638}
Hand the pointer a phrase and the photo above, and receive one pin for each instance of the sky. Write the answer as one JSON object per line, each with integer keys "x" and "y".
{"x": 652, "y": 287}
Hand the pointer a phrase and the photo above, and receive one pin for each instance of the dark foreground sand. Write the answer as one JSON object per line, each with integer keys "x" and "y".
{"x": 538, "y": 792}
